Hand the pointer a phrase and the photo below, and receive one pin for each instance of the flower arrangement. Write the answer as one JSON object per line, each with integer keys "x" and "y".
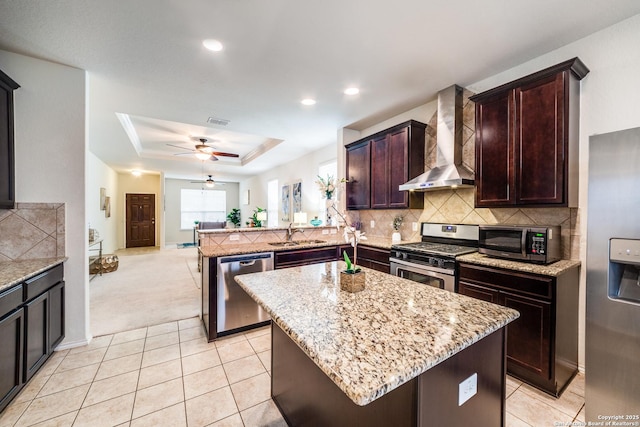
{"x": 329, "y": 185}
{"x": 397, "y": 222}
{"x": 352, "y": 236}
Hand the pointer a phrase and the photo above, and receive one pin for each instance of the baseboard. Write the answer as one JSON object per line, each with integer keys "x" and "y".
{"x": 66, "y": 345}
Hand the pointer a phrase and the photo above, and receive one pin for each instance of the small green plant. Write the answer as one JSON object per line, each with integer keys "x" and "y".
{"x": 234, "y": 217}
{"x": 351, "y": 268}
{"x": 254, "y": 217}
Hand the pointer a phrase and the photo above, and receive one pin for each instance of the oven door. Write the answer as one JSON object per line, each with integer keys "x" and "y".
{"x": 427, "y": 275}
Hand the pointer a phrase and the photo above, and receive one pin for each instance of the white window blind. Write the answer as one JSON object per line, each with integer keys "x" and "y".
{"x": 273, "y": 201}
{"x": 202, "y": 206}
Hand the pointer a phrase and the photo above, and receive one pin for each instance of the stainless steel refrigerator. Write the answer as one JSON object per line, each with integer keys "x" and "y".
{"x": 612, "y": 358}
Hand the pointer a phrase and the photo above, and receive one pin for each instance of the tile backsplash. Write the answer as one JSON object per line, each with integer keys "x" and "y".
{"x": 32, "y": 230}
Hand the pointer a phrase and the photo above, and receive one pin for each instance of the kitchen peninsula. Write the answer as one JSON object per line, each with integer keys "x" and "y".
{"x": 398, "y": 353}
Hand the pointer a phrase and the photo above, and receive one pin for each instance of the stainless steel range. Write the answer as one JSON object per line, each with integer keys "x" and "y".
{"x": 433, "y": 260}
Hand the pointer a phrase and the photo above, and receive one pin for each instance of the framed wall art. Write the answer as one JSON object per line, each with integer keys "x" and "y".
{"x": 286, "y": 203}
{"x": 297, "y": 197}
{"x": 103, "y": 195}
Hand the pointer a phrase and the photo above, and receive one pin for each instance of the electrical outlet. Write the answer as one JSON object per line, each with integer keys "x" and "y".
{"x": 414, "y": 226}
{"x": 467, "y": 389}
{"x": 325, "y": 231}
{"x": 373, "y": 224}
{"x": 234, "y": 237}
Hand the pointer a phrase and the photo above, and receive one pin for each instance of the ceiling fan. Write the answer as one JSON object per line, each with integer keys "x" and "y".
{"x": 203, "y": 151}
{"x": 209, "y": 182}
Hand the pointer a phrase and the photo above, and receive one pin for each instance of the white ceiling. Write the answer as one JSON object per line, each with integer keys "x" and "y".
{"x": 146, "y": 62}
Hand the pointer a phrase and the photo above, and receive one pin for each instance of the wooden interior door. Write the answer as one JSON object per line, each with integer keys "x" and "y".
{"x": 141, "y": 221}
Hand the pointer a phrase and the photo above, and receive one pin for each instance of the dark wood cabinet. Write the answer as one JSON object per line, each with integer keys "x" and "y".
{"x": 379, "y": 164}
{"x": 11, "y": 352}
{"x": 31, "y": 326}
{"x": 358, "y": 169}
{"x": 542, "y": 344}
{"x": 7, "y": 160}
{"x": 298, "y": 257}
{"x": 527, "y": 139}
{"x": 374, "y": 258}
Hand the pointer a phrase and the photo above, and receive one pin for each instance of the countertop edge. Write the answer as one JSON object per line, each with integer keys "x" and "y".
{"x": 15, "y": 272}
{"x": 554, "y": 269}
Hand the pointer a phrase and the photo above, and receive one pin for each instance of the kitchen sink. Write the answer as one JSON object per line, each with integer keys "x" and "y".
{"x": 296, "y": 242}
{"x": 284, "y": 243}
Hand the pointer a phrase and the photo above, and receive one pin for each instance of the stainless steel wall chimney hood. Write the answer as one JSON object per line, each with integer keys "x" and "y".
{"x": 449, "y": 171}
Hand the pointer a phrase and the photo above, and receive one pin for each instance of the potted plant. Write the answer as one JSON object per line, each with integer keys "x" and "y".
{"x": 397, "y": 222}
{"x": 254, "y": 218}
{"x": 234, "y": 217}
{"x": 352, "y": 277}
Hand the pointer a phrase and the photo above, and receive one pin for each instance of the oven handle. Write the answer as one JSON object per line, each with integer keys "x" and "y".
{"x": 421, "y": 268}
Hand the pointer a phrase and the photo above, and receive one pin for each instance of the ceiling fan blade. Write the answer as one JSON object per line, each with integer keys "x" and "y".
{"x": 178, "y": 146}
{"x": 213, "y": 158}
{"x": 219, "y": 153}
{"x": 183, "y": 154}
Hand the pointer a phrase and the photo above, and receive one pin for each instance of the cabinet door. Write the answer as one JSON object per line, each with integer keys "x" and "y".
{"x": 478, "y": 292}
{"x": 529, "y": 336}
{"x": 374, "y": 258}
{"x": 304, "y": 257}
{"x": 398, "y": 153}
{"x": 7, "y": 162}
{"x": 380, "y": 172}
{"x": 36, "y": 336}
{"x": 494, "y": 151}
{"x": 56, "y": 316}
{"x": 540, "y": 141}
{"x": 358, "y": 167}
{"x": 11, "y": 337}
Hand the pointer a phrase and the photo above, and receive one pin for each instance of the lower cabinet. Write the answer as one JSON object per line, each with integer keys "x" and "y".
{"x": 542, "y": 344}
{"x": 31, "y": 326}
{"x": 11, "y": 352}
{"x": 298, "y": 257}
{"x": 374, "y": 258}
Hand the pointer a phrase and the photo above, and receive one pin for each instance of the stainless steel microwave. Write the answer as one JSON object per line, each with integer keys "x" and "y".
{"x": 528, "y": 243}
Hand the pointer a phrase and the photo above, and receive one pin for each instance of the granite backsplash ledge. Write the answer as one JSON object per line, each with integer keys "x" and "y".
{"x": 32, "y": 231}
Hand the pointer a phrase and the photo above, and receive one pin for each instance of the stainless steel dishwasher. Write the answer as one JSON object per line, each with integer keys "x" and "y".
{"x": 237, "y": 311}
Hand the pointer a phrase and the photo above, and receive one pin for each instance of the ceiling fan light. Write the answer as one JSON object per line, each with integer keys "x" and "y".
{"x": 209, "y": 183}
{"x": 203, "y": 156}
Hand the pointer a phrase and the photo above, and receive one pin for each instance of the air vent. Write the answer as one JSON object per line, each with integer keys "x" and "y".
{"x": 217, "y": 121}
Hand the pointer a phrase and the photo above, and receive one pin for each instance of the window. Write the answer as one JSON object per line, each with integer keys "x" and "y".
{"x": 273, "y": 198}
{"x": 327, "y": 169}
{"x": 202, "y": 206}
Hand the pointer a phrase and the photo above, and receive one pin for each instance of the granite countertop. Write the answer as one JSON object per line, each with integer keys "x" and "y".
{"x": 554, "y": 269}
{"x": 373, "y": 341}
{"x": 14, "y": 272}
{"x": 250, "y": 248}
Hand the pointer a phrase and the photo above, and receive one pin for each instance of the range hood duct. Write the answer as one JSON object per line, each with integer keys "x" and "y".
{"x": 449, "y": 171}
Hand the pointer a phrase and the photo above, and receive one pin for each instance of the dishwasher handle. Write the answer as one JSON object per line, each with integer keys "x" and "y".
{"x": 245, "y": 259}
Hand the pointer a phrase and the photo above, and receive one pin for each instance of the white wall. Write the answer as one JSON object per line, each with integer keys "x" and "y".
{"x": 172, "y": 207}
{"x": 303, "y": 169}
{"x": 609, "y": 96}
{"x": 51, "y": 164}
{"x": 99, "y": 175}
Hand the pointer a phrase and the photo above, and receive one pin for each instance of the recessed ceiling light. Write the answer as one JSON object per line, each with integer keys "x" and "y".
{"x": 308, "y": 101}
{"x": 213, "y": 45}
{"x": 351, "y": 91}
{"x": 136, "y": 172}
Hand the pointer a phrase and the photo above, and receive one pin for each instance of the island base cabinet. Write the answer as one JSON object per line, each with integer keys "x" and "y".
{"x": 306, "y": 396}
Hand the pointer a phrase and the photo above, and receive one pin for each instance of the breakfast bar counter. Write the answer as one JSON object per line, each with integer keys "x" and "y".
{"x": 395, "y": 353}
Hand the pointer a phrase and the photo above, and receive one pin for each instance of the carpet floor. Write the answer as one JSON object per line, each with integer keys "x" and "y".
{"x": 151, "y": 286}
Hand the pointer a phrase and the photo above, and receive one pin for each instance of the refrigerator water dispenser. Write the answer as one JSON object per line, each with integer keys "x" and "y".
{"x": 624, "y": 270}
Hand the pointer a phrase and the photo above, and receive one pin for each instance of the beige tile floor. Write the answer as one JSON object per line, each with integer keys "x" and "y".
{"x": 168, "y": 375}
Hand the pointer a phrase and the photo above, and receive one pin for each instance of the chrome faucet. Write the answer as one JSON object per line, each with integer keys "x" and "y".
{"x": 290, "y": 232}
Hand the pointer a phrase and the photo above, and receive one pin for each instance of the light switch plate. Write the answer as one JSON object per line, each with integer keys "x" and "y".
{"x": 334, "y": 231}
{"x": 467, "y": 389}
{"x": 234, "y": 236}
{"x": 373, "y": 224}
{"x": 325, "y": 231}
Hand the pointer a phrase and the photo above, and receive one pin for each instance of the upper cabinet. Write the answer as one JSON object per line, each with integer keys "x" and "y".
{"x": 378, "y": 164}
{"x": 7, "y": 172}
{"x": 527, "y": 139}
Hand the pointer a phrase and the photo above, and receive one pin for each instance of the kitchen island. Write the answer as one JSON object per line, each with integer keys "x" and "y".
{"x": 398, "y": 353}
